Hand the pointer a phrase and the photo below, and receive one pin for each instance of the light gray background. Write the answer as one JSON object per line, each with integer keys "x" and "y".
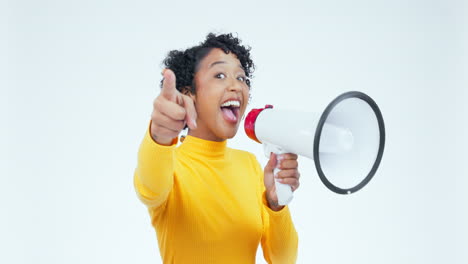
{"x": 79, "y": 77}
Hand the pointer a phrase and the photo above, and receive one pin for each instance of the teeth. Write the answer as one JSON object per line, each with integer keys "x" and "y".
{"x": 231, "y": 103}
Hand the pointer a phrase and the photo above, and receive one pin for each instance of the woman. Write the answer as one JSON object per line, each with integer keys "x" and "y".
{"x": 210, "y": 203}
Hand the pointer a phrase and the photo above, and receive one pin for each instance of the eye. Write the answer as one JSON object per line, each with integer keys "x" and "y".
{"x": 242, "y": 78}
{"x": 220, "y": 76}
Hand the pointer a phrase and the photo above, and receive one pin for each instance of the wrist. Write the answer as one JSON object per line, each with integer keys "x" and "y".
{"x": 272, "y": 203}
{"x": 163, "y": 141}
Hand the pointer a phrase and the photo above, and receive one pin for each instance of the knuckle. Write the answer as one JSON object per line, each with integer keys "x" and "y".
{"x": 175, "y": 127}
{"x": 180, "y": 125}
{"x": 157, "y": 113}
{"x": 279, "y": 174}
{"x": 296, "y": 186}
{"x": 158, "y": 103}
{"x": 157, "y": 99}
{"x": 180, "y": 113}
{"x": 285, "y": 174}
{"x": 156, "y": 118}
{"x": 282, "y": 174}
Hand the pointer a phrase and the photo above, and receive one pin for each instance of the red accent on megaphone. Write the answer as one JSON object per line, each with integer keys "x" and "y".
{"x": 249, "y": 124}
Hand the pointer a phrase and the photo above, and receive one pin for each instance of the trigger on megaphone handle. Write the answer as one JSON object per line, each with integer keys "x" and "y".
{"x": 283, "y": 191}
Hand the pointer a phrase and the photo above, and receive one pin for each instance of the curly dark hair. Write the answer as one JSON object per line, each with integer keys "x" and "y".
{"x": 184, "y": 63}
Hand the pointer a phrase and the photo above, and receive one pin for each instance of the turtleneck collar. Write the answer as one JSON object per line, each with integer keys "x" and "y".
{"x": 198, "y": 146}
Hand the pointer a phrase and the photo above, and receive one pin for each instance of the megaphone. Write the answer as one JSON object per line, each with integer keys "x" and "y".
{"x": 346, "y": 140}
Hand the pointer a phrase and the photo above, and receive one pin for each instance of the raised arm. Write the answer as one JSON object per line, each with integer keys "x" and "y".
{"x": 154, "y": 174}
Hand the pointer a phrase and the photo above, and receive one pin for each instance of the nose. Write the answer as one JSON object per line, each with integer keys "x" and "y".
{"x": 234, "y": 85}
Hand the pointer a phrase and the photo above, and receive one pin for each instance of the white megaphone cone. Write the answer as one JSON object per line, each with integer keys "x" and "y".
{"x": 346, "y": 140}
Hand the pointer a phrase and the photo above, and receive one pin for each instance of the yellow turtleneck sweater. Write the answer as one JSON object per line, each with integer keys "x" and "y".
{"x": 207, "y": 204}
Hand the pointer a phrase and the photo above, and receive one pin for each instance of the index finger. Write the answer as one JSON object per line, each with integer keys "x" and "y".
{"x": 191, "y": 116}
{"x": 287, "y": 156}
{"x": 169, "y": 90}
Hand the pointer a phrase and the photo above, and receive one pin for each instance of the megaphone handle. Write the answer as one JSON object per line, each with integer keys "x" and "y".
{"x": 283, "y": 191}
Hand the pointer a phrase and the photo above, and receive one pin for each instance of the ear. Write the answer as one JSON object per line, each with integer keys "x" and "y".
{"x": 186, "y": 91}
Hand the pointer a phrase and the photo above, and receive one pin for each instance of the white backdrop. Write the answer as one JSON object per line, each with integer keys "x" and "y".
{"x": 78, "y": 82}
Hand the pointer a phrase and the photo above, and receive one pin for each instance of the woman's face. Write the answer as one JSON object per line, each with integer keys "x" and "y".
{"x": 221, "y": 96}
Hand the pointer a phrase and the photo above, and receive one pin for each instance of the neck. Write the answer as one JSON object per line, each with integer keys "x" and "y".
{"x": 206, "y": 135}
{"x": 195, "y": 146}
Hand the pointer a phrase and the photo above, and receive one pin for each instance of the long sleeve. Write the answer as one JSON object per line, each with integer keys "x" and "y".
{"x": 279, "y": 240}
{"x": 154, "y": 175}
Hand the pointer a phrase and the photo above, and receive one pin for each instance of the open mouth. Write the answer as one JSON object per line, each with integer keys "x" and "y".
{"x": 230, "y": 110}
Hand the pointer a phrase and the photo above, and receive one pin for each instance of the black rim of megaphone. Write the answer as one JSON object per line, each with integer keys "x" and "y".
{"x": 318, "y": 133}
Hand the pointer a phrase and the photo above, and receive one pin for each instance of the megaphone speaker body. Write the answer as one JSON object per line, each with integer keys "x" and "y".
{"x": 346, "y": 140}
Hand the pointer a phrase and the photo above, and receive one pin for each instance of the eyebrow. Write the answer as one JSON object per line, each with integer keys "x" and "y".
{"x": 222, "y": 62}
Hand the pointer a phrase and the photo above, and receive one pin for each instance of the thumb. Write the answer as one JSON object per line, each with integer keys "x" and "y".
{"x": 269, "y": 168}
{"x": 169, "y": 90}
{"x": 271, "y": 163}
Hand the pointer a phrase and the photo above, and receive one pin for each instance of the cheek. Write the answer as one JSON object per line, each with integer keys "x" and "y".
{"x": 207, "y": 103}
{"x": 206, "y": 108}
{"x": 246, "y": 95}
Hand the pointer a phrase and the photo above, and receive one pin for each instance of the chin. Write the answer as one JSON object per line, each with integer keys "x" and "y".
{"x": 229, "y": 133}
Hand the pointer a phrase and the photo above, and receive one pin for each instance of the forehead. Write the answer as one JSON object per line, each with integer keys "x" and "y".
{"x": 218, "y": 55}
